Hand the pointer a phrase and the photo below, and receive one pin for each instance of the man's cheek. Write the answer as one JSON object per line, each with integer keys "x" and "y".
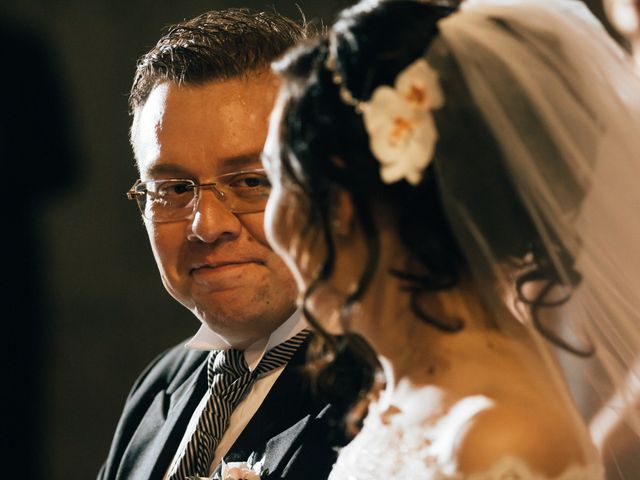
{"x": 254, "y": 223}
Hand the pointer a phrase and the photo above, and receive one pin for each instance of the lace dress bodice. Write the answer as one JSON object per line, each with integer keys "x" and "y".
{"x": 411, "y": 444}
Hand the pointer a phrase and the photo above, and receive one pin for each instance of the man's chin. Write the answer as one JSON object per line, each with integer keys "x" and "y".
{"x": 239, "y": 333}
{"x": 230, "y": 306}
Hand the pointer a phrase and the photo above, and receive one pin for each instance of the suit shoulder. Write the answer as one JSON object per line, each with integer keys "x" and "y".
{"x": 169, "y": 369}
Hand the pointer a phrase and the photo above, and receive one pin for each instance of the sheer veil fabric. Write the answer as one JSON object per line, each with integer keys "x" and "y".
{"x": 568, "y": 128}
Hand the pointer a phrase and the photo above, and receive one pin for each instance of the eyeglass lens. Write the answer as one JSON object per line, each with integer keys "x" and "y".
{"x": 168, "y": 200}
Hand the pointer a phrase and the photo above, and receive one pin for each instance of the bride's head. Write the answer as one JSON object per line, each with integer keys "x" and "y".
{"x": 373, "y": 124}
{"x": 422, "y": 150}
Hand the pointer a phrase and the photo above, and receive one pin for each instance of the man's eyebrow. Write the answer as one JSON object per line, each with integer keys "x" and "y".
{"x": 241, "y": 161}
{"x": 226, "y": 164}
{"x": 166, "y": 169}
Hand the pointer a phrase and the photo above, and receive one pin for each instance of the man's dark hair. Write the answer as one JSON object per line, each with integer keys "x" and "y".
{"x": 219, "y": 44}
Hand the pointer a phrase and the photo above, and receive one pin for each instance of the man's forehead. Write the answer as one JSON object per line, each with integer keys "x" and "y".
{"x": 223, "y": 121}
{"x": 250, "y": 95}
{"x": 217, "y": 89}
{"x": 151, "y": 112}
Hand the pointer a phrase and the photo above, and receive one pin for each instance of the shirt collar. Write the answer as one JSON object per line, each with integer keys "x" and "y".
{"x": 207, "y": 339}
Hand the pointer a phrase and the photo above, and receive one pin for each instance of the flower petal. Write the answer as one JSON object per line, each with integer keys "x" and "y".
{"x": 425, "y": 141}
{"x": 392, "y": 173}
{"x": 384, "y": 104}
{"x": 414, "y": 177}
{"x": 419, "y": 85}
{"x": 401, "y": 128}
{"x": 407, "y": 159}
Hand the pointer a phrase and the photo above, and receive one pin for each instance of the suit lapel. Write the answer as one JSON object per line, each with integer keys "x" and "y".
{"x": 299, "y": 425}
{"x": 162, "y": 429}
{"x": 291, "y": 424}
{"x": 285, "y": 447}
{"x": 281, "y": 418}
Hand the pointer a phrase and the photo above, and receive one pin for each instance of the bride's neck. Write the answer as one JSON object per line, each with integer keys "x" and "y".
{"x": 409, "y": 348}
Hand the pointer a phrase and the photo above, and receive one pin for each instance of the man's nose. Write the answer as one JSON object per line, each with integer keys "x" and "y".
{"x": 212, "y": 220}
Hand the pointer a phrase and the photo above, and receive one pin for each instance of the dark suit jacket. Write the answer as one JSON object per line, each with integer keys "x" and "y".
{"x": 296, "y": 428}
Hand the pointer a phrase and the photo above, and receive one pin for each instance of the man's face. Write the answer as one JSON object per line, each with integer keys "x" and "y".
{"x": 217, "y": 264}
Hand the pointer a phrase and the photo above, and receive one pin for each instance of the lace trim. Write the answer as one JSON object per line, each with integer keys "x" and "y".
{"x": 401, "y": 449}
{"x": 511, "y": 468}
{"x": 508, "y": 468}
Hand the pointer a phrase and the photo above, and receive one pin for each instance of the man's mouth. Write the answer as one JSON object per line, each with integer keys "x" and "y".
{"x": 222, "y": 265}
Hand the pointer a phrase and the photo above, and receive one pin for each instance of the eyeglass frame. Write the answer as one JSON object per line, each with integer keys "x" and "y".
{"x": 133, "y": 194}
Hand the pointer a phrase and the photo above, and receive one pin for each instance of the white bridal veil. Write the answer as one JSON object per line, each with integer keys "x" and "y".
{"x": 563, "y": 103}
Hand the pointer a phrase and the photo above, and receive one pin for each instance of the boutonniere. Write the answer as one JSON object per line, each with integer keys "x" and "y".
{"x": 241, "y": 471}
{"x": 249, "y": 470}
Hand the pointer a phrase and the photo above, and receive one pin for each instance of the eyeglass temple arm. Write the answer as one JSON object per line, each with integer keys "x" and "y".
{"x": 132, "y": 194}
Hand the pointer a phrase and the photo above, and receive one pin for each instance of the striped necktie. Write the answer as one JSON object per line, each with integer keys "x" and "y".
{"x": 229, "y": 379}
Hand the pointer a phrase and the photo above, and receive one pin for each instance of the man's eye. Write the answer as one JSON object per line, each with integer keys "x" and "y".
{"x": 170, "y": 193}
{"x": 174, "y": 188}
{"x": 250, "y": 181}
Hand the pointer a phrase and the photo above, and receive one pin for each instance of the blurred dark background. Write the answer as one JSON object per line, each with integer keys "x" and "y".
{"x": 87, "y": 310}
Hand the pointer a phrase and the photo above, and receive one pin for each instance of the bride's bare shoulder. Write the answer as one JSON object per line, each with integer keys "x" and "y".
{"x": 540, "y": 436}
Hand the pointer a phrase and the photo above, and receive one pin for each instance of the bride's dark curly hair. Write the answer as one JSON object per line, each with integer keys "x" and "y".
{"x": 324, "y": 144}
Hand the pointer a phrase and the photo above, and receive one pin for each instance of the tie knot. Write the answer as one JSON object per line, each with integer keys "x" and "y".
{"x": 230, "y": 363}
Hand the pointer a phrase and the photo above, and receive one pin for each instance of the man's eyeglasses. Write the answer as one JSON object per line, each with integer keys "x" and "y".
{"x": 174, "y": 199}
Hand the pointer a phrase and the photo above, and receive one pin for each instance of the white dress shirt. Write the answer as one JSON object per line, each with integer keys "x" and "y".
{"x": 207, "y": 339}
